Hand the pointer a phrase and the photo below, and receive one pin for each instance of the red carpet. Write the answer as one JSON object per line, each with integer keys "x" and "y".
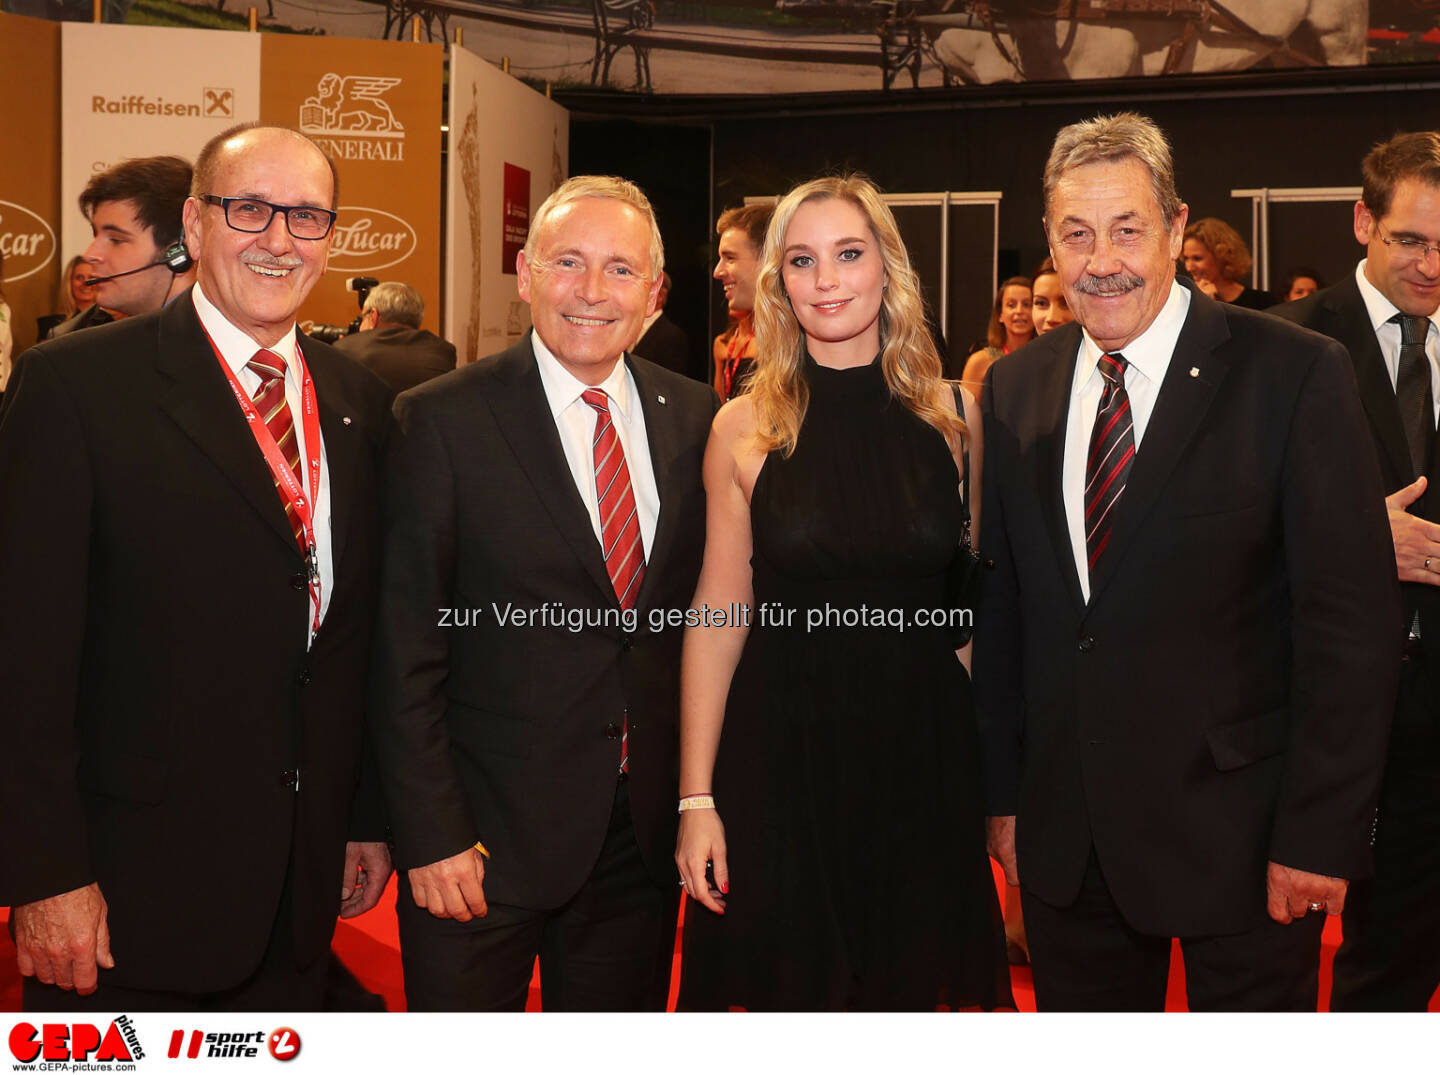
{"x": 370, "y": 947}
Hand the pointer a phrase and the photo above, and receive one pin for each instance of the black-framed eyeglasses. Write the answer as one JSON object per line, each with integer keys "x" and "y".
{"x": 253, "y": 215}
{"x": 1411, "y": 249}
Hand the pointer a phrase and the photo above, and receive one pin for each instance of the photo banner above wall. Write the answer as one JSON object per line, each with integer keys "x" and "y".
{"x": 815, "y": 46}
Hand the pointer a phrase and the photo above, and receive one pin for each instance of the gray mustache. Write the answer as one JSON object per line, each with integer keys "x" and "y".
{"x": 1106, "y": 286}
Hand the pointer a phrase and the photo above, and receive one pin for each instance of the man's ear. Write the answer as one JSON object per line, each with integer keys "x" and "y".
{"x": 1177, "y": 231}
{"x": 1364, "y": 224}
{"x": 522, "y": 277}
{"x": 190, "y": 227}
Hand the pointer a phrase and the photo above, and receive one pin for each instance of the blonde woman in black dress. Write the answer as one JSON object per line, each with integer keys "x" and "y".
{"x": 831, "y": 832}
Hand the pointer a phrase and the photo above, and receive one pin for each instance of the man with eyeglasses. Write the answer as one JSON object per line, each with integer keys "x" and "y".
{"x": 187, "y": 553}
{"x": 1385, "y": 315}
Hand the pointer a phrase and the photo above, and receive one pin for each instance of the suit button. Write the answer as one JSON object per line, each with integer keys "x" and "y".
{"x": 612, "y": 730}
{"x": 1087, "y": 644}
{"x": 290, "y": 778}
{"x": 626, "y": 640}
{"x": 297, "y": 582}
{"x": 303, "y": 679}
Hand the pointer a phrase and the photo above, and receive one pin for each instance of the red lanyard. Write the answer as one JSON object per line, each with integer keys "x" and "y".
{"x": 281, "y": 470}
{"x": 734, "y": 356}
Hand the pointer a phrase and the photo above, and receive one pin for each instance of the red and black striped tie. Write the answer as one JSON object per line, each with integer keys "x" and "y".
{"x": 270, "y": 402}
{"x": 619, "y": 521}
{"x": 1112, "y": 453}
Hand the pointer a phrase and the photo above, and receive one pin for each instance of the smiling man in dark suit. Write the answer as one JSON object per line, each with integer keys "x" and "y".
{"x": 543, "y": 510}
{"x": 1385, "y": 315}
{"x": 1186, "y": 653}
{"x": 187, "y": 554}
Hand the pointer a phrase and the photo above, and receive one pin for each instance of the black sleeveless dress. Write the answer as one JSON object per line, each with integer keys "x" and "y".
{"x": 847, "y": 775}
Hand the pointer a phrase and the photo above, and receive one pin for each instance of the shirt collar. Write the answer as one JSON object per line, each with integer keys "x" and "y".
{"x": 1149, "y": 353}
{"x": 563, "y": 388}
{"x": 236, "y": 347}
{"x": 1377, "y": 305}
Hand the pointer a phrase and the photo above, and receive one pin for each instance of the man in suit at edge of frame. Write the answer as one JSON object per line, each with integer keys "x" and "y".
{"x": 1186, "y": 653}
{"x": 1385, "y": 315}
{"x": 188, "y": 509}
{"x": 540, "y": 505}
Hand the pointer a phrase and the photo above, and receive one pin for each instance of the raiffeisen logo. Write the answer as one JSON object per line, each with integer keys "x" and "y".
{"x": 214, "y": 101}
{"x": 366, "y": 240}
{"x": 76, "y": 1046}
{"x": 27, "y": 242}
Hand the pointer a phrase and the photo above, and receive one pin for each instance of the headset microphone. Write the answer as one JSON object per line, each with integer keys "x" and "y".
{"x": 175, "y": 258}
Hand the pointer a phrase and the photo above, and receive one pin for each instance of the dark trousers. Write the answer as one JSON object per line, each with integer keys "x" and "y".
{"x": 1390, "y": 958}
{"x": 277, "y": 985}
{"x": 609, "y": 948}
{"x": 1086, "y": 957}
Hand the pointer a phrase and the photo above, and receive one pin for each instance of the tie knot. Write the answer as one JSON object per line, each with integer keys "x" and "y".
{"x": 267, "y": 364}
{"x": 1113, "y": 367}
{"x": 1413, "y": 328}
{"x": 597, "y": 398}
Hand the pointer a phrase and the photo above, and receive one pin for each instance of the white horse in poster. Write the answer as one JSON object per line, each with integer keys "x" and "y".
{"x": 1330, "y": 32}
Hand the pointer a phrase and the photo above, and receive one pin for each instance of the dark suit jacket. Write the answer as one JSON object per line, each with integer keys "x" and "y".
{"x": 666, "y": 344}
{"x": 401, "y": 357}
{"x": 90, "y": 317}
{"x": 1339, "y": 312}
{"x": 509, "y": 734}
{"x": 1224, "y": 697}
{"x": 153, "y": 649}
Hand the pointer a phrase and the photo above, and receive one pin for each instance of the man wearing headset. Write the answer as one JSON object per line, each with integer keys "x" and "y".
{"x": 136, "y": 256}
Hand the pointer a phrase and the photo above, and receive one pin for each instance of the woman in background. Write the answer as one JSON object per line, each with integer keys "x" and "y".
{"x": 1300, "y": 282}
{"x": 850, "y": 870}
{"x": 1048, "y": 305}
{"x": 1011, "y": 326}
{"x": 1218, "y": 260}
{"x": 7, "y": 338}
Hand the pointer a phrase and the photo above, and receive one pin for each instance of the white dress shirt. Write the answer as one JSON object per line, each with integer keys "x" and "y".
{"x": 575, "y": 419}
{"x": 1148, "y": 357}
{"x": 1381, "y": 310}
{"x": 237, "y": 348}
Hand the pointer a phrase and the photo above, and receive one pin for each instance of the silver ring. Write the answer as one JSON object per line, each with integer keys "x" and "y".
{"x": 1427, "y": 563}
{"x": 1317, "y": 905}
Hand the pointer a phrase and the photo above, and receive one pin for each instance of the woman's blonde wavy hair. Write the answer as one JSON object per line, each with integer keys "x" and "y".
{"x": 908, "y": 359}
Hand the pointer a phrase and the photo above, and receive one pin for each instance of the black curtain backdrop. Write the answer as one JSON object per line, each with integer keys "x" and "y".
{"x": 1293, "y": 129}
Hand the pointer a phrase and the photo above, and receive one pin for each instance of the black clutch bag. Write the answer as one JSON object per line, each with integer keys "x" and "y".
{"x": 967, "y": 568}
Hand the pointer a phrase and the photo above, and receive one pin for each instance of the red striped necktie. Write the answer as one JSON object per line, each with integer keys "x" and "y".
{"x": 1112, "y": 453}
{"x": 619, "y": 521}
{"x": 270, "y": 402}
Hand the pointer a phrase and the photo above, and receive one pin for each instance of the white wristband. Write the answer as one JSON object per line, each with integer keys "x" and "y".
{"x": 697, "y": 802}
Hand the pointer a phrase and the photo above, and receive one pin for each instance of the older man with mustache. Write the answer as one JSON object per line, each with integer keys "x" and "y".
{"x": 1186, "y": 653}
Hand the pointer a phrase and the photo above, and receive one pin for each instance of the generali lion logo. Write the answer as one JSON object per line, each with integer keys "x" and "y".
{"x": 349, "y": 116}
{"x": 26, "y": 240}
{"x": 366, "y": 240}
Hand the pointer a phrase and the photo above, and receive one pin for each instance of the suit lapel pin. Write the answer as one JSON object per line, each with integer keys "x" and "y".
{"x": 1194, "y": 371}
{"x": 346, "y": 419}
{"x": 661, "y": 399}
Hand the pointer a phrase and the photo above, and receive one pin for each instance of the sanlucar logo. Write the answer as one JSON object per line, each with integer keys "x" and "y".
{"x": 366, "y": 240}
{"x": 26, "y": 240}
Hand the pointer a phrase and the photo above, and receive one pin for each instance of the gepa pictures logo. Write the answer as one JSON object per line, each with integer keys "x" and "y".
{"x": 64, "y": 1043}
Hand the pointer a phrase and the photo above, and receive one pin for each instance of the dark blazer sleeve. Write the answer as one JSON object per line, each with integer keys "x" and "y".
{"x": 45, "y": 519}
{"x": 1345, "y": 601}
{"x": 998, "y": 642}
{"x": 428, "y": 811}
